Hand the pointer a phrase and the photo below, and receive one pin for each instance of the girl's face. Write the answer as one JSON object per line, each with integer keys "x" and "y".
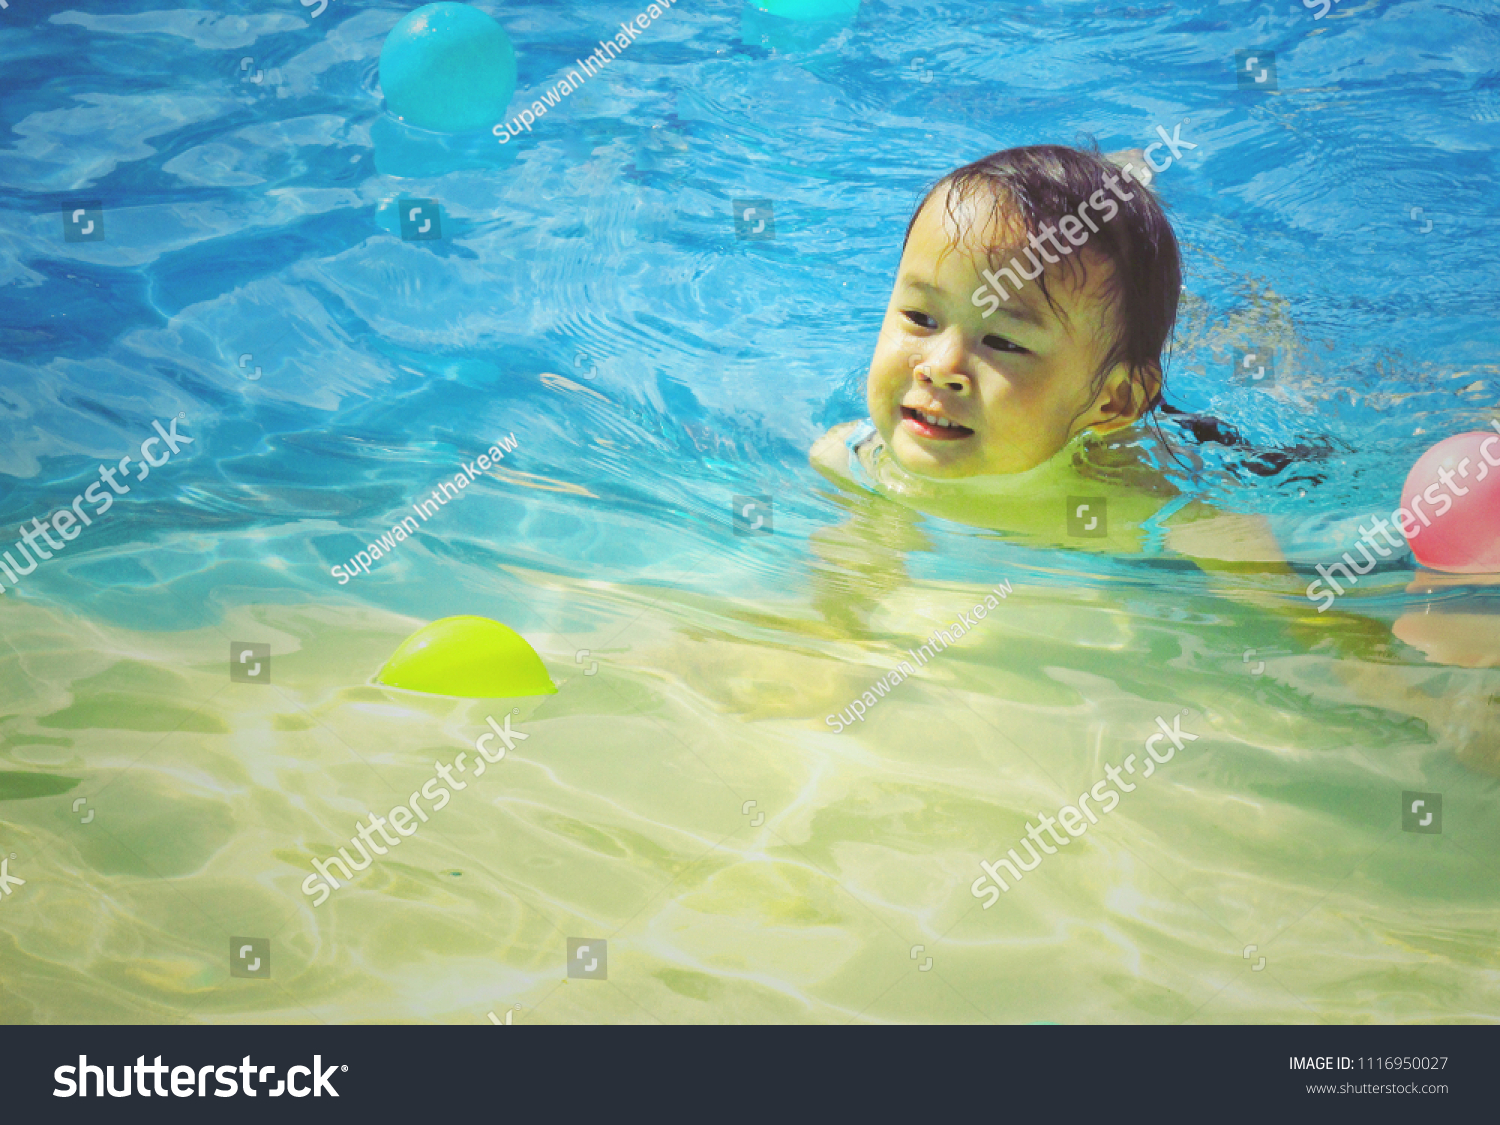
{"x": 956, "y": 393}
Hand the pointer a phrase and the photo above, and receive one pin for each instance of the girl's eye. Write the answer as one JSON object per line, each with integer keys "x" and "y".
{"x": 1001, "y": 344}
{"x": 920, "y": 319}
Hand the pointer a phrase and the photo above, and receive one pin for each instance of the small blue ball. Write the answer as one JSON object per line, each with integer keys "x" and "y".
{"x": 809, "y": 10}
{"x": 448, "y": 68}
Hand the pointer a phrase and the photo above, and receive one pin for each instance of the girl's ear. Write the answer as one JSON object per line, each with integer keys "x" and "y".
{"x": 1126, "y": 396}
{"x": 1148, "y": 380}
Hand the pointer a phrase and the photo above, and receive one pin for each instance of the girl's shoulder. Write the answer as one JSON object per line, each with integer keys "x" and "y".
{"x": 836, "y": 454}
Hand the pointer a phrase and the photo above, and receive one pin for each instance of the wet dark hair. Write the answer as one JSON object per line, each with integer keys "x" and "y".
{"x": 1043, "y": 183}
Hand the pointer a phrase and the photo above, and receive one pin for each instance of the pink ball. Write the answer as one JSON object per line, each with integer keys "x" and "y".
{"x": 1461, "y": 529}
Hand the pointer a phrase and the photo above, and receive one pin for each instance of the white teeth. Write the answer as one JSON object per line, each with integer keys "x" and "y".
{"x": 934, "y": 420}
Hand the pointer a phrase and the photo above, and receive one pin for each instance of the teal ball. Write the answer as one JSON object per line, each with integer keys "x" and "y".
{"x": 448, "y": 68}
{"x": 808, "y": 10}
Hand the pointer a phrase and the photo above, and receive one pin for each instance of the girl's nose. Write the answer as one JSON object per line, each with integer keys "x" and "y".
{"x": 942, "y": 375}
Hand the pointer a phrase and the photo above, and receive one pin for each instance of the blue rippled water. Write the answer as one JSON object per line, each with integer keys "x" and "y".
{"x": 246, "y": 219}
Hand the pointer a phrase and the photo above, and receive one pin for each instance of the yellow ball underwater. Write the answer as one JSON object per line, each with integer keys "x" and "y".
{"x": 469, "y": 657}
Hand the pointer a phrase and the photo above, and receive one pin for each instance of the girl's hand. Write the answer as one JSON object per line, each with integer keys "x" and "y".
{"x": 1462, "y": 639}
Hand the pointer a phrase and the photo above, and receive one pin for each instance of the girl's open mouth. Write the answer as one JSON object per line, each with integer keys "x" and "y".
{"x": 932, "y": 426}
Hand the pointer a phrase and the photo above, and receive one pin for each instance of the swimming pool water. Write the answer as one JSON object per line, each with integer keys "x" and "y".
{"x": 593, "y": 294}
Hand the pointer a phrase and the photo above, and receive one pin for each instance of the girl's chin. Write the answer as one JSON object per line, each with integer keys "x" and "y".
{"x": 936, "y": 461}
{"x": 924, "y": 461}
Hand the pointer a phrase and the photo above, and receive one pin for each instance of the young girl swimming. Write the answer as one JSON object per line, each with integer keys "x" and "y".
{"x": 1037, "y": 290}
{"x": 1022, "y": 345}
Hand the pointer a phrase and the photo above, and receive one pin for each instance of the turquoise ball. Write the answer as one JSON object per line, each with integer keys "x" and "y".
{"x": 808, "y": 10}
{"x": 448, "y": 68}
